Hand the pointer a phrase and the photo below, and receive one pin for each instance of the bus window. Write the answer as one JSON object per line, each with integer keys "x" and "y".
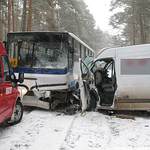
{"x": 76, "y": 51}
{"x": 13, "y": 57}
{"x": 92, "y": 54}
{"x": 87, "y": 53}
{"x": 70, "y": 53}
{"x": 80, "y": 51}
{"x": 84, "y": 52}
{"x": 70, "y": 60}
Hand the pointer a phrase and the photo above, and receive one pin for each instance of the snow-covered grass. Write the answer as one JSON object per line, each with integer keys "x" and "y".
{"x": 44, "y": 130}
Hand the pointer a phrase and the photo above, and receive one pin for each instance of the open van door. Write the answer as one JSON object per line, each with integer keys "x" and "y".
{"x": 85, "y": 82}
{"x": 105, "y": 80}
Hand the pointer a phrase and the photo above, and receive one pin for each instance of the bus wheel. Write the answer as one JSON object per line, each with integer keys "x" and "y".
{"x": 17, "y": 115}
{"x": 93, "y": 100}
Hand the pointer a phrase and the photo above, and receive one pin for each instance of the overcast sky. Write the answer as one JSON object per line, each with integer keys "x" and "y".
{"x": 101, "y": 13}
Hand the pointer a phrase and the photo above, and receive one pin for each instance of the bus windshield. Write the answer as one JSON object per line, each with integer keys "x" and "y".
{"x": 38, "y": 52}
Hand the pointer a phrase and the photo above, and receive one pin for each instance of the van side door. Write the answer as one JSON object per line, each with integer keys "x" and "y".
{"x": 85, "y": 81}
{"x": 10, "y": 93}
{"x": 2, "y": 101}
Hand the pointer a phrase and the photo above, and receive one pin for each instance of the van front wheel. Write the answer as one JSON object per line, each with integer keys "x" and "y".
{"x": 17, "y": 115}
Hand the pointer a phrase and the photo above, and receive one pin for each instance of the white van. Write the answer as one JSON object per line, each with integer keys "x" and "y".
{"x": 122, "y": 78}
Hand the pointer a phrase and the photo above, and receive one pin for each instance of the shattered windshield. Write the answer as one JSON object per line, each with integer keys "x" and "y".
{"x": 39, "y": 53}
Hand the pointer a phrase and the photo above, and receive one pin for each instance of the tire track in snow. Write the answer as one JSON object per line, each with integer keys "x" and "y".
{"x": 56, "y": 130}
{"x": 88, "y": 132}
{"x": 69, "y": 131}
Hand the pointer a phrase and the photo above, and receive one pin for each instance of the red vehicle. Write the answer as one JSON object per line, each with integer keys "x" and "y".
{"x": 11, "y": 109}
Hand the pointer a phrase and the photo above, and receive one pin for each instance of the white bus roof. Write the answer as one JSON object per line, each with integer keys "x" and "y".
{"x": 57, "y": 32}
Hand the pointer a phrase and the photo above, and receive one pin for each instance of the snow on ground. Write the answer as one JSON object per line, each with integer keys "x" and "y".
{"x": 44, "y": 130}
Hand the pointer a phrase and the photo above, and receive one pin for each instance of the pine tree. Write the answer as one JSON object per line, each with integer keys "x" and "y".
{"x": 134, "y": 19}
{"x": 29, "y": 23}
{"x": 24, "y": 16}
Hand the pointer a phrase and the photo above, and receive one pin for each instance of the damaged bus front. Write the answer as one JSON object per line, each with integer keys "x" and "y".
{"x": 50, "y": 63}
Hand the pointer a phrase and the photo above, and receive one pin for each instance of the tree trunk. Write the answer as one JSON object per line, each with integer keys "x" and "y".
{"x": 24, "y": 16}
{"x": 9, "y": 14}
{"x": 133, "y": 24}
{"x": 1, "y": 20}
{"x": 17, "y": 15}
{"x": 51, "y": 19}
{"x": 29, "y": 24}
{"x": 13, "y": 18}
{"x": 142, "y": 32}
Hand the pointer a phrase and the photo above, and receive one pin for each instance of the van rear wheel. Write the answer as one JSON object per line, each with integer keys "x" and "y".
{"x": 17, "y": 115}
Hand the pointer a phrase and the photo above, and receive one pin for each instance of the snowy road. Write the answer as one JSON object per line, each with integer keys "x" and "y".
{"x": 43, "y": 130}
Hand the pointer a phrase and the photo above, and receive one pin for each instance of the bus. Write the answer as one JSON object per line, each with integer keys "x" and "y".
{"x": 50, "y": 63}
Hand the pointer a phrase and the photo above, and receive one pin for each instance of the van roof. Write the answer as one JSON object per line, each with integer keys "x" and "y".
{"x": 127, "y": 49}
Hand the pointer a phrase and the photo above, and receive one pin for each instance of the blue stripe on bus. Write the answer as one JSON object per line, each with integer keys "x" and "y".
{"x": 40, "y": 70}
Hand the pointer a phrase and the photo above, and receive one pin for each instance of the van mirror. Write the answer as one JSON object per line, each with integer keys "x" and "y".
{"x": 5, "y": 44}
{"x": 13, "y": 78}
{"x": 21, "y": 78}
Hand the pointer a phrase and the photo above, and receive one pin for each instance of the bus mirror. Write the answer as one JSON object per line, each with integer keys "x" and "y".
{"x": 21, "y": 77}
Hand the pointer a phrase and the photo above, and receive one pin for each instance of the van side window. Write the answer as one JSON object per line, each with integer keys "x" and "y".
{"x": 135, "y": 66}
{"x": 6, "y": 68}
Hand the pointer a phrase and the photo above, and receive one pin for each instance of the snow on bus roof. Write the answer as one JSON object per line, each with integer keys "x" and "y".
{"x": 56, "y": 32}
